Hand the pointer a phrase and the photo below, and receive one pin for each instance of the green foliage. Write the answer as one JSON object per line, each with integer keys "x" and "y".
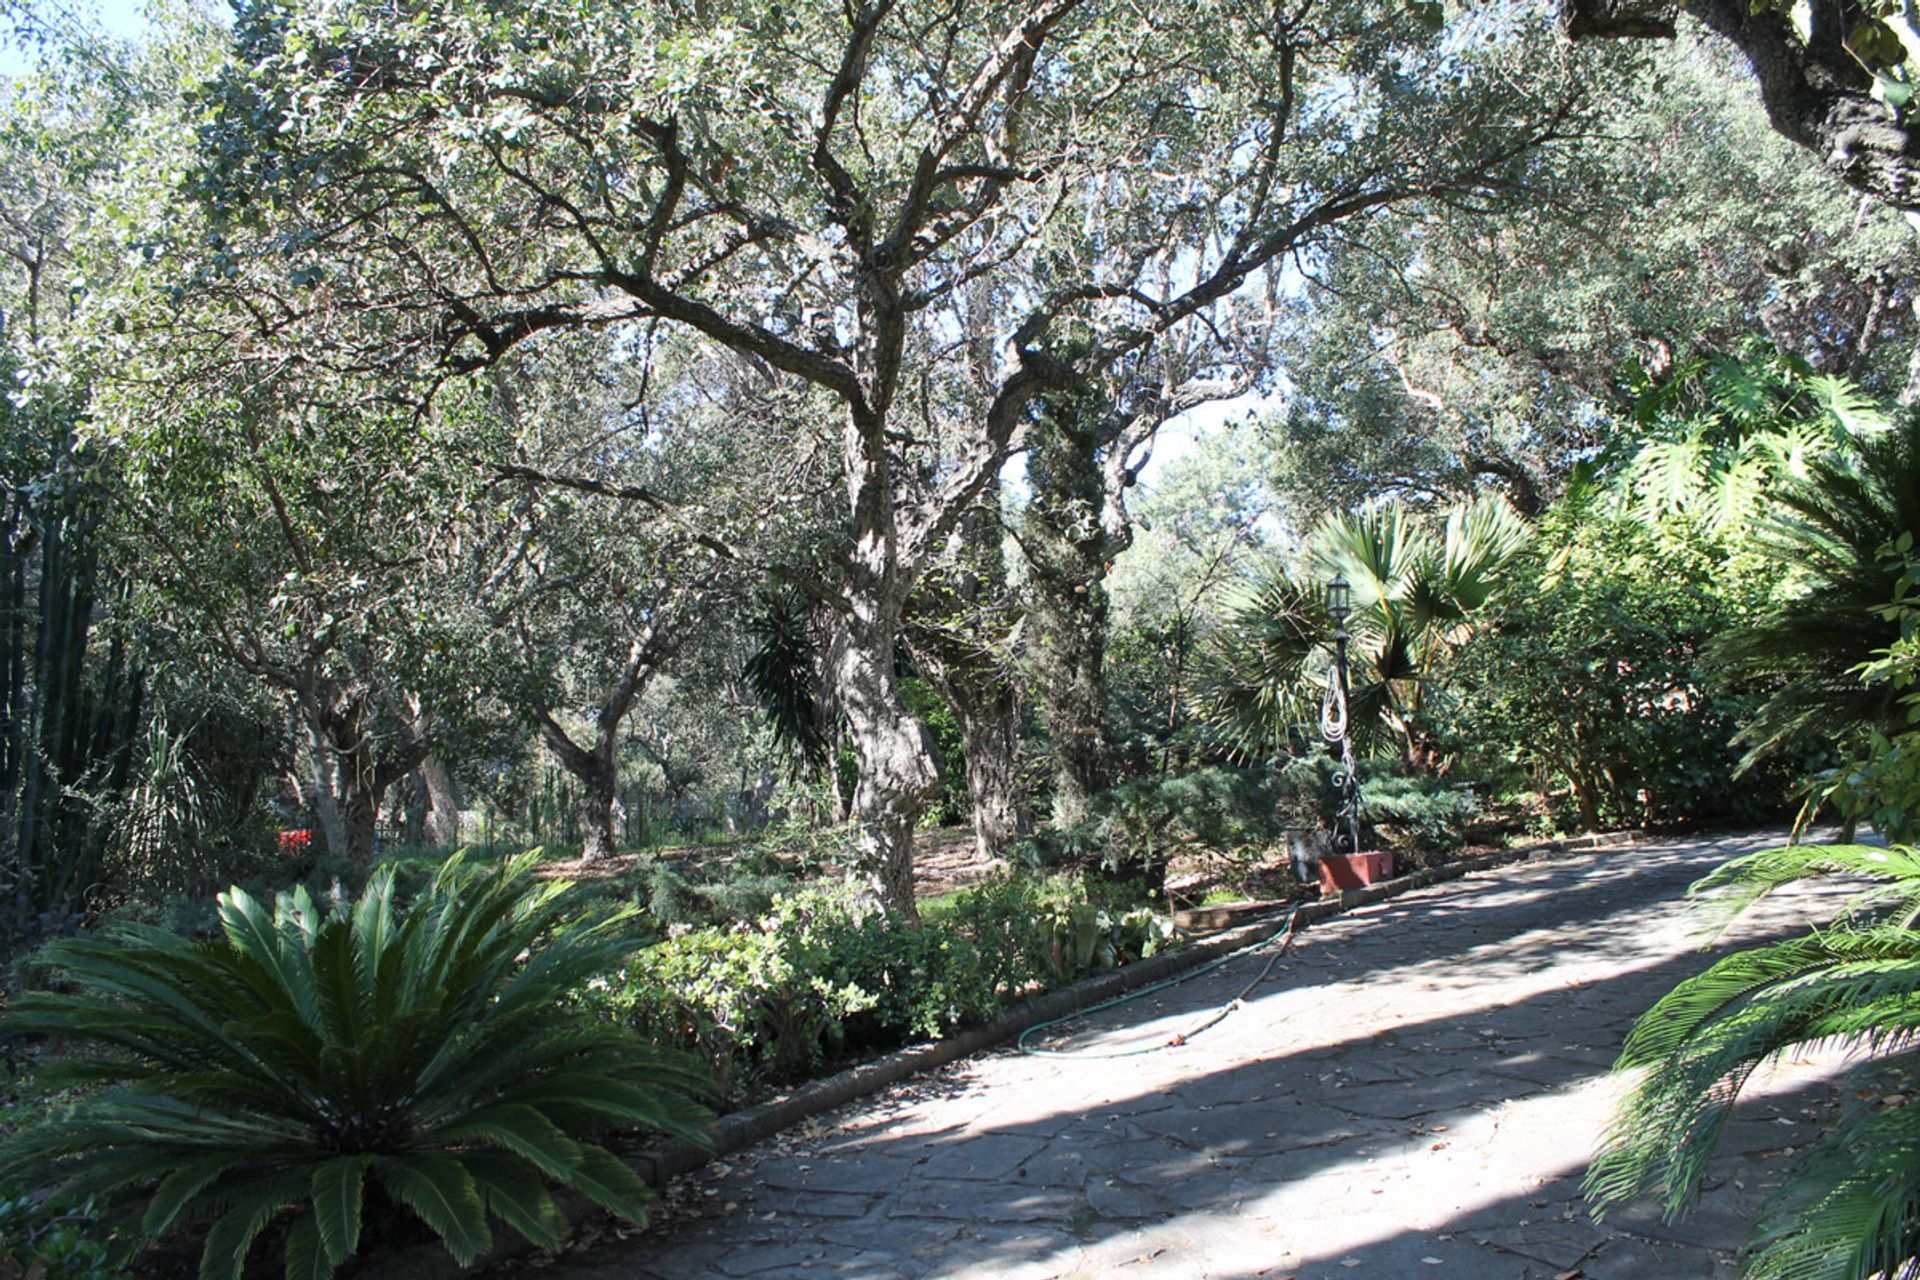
{"x": 1590, "y": 680}
{"x": 782, "y": 672}
{"x": 1490, "y": 352}
{"x": 1881, "y": 784}
{"x": 1833, "y": 536}
{"x": 1848, "y": 1209}
{"x": 65, "y": 1244}
{"x": 1135, "y": 829}
{"x": 818, "y": 976}
{"x": 1413, "y": 812}
{"x": 315, "y": 1073}
{"x": 1240, "y": 814}
{"x": 1881, "y": 788}
{"x": 752, "y": 999}
{"x": 1418, "y": 585}
{"x": 1716, "y": 438}
{"x": 950, "y": 807}
{"x": 1084, "y": 938}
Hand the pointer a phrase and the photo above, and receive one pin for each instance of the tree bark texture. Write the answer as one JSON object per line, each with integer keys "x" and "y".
{"x": 1815, "y": 92}
{"x": 1069, "y": 548}
{"x": 442, "y": 826}
{"x": 597, "y": 771}
{"x": 596, "y": 766}
{"x": 899, "y": 765}
{"x": 987, "y": 705}
{"x": 957, "y": 626}
{"x": 353, "y": 768}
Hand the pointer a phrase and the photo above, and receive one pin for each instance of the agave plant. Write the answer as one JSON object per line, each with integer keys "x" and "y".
{"x": 1851, "y": 1207}
{"x": 313, "y": 1062}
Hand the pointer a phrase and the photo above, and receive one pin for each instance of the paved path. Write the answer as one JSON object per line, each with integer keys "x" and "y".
{"x": 1412, "y": 1093}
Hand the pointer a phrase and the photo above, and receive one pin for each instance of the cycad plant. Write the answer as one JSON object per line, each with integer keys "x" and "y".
{"x": 1850, "y": 1209}
{"x": 1836, "y": 530}
{"x": 313, "y": 1064}
{"x": 1416, "y": 588}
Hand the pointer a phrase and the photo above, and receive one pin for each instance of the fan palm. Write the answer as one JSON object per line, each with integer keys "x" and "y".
{"x": 431, "y": 1059}
{"x": 1851, "y": 1207}
{"x": 1834, "y": 528}
{"x": 1415, "y": 590}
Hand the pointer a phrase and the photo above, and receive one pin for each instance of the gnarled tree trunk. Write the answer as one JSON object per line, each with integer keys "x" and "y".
{"x": 899, "y": 772}
{"x": 597, "y": 771}
{"x": 353, "y": 766}
{"x": 956, "y": 632}
{"x": 596, "y": 766}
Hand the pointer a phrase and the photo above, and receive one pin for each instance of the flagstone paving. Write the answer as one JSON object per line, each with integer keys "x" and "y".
{"x": 1412, "y": 1092}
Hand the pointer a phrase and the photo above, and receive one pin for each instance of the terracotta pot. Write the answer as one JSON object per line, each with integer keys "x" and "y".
{"x": 1353, "y": 870}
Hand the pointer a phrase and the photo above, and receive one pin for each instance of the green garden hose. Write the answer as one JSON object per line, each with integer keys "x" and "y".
{"x": 1284, "y": 939}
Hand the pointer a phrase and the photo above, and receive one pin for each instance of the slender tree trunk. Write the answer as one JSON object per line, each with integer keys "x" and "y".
{"x": 442, "y": 826}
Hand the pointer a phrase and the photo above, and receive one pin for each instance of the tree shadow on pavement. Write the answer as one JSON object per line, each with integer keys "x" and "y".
{"x": 1316, "y": 1153}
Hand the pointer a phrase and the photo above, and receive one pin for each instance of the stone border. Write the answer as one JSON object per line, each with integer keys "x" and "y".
{"x": 665, "y": 1160}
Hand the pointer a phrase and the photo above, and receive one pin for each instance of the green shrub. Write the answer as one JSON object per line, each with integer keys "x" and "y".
{"x": 750, "y": 1000}
{"x": 1082, "y": 938}
{"x": 312, "y": 1062}
{"x": 64, "y": 1244}
{"x": 746, "y": 893}
{"x": 1420, "y": 814}
{"x": 819, "y": 975}
{"x": 1134, "y": 830}
{"x": 1591, "y": 681}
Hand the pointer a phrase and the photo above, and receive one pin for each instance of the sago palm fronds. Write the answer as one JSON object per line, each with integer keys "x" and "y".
{"x": 1848, "y": 1211}
{"x": 282, "y": 1078}
{"x": 1833, "y": 530}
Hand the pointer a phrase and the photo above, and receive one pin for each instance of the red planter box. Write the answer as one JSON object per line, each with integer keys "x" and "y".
{"x": 1352, "y": 870}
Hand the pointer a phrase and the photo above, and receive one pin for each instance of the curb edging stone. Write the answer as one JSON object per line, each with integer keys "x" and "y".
{"x": 659, "y": 1163}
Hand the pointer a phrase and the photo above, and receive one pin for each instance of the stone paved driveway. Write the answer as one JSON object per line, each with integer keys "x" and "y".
{"x": 1412, "y": 1093}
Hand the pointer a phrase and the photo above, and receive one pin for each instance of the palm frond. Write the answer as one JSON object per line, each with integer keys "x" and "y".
{"x": 1850, "y": 1208}
{"x": 270, "y": 1074}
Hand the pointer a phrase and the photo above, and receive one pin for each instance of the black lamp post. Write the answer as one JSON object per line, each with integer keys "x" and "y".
{"x": 1336, "y": 724}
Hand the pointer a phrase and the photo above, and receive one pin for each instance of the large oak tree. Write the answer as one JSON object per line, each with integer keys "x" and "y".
{"x": 843, "y": 195}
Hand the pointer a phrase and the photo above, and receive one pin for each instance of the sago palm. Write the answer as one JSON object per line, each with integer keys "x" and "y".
{"x": 310, "y": 1062}
{"x": 1834, "y": 530}
{"x": 1851, "y": 1207}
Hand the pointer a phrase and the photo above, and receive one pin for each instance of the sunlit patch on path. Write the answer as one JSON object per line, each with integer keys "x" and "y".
{"x": 1413, "y": 1092}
